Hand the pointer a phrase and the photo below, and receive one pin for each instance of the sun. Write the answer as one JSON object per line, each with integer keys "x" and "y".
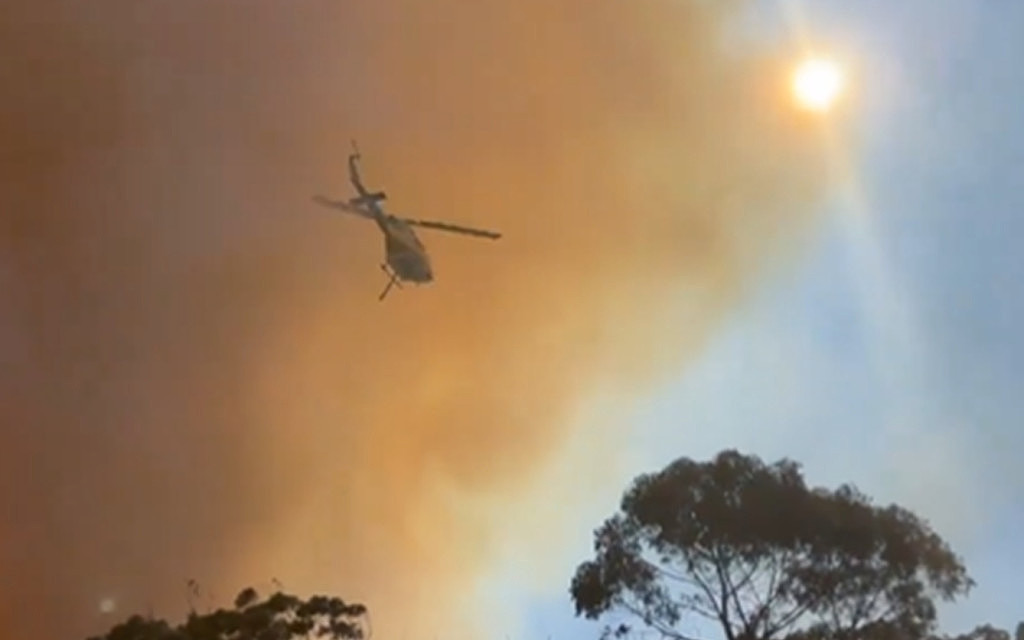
{"x": 817, "y": 83}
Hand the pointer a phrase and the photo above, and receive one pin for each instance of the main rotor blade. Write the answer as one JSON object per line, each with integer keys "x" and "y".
{"x": 444, "y": 226}
{"x": 342, "y": 206}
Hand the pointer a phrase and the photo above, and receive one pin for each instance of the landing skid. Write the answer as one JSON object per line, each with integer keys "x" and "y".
{"x": 392, "y": 281}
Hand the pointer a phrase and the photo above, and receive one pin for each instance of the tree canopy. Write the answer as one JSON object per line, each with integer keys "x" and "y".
{"x": 279, "y": 617}
{"x": 981, "y": 632}
{"x": 751, "y": 548}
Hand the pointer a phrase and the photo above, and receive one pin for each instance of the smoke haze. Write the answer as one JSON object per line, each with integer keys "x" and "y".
{"x": 198, "y": 381}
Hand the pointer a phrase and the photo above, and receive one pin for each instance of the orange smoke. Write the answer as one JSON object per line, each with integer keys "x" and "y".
{"x": 201, "y": 382}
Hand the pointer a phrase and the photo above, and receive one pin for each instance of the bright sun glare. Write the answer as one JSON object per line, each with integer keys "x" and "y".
{"x": 817, "y": 83}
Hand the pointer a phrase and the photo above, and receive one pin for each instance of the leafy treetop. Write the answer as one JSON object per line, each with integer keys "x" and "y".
{"x": 279, "y": 617}
{"x": 981, "y": 632}
{"x": 749, "y": 547}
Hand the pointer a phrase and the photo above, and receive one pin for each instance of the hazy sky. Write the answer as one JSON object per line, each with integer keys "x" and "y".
{"x": 199, "y": 382}
{"x": 815, "y": 366}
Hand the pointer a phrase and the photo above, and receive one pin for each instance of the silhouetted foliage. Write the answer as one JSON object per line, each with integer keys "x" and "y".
{"x": 279, "y": 617}
{"x": 981, "y": 632}
{"x": 750, "y": 547}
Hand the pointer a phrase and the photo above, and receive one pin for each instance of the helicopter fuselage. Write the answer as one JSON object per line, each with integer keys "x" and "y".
{"x": 404, "y": 252}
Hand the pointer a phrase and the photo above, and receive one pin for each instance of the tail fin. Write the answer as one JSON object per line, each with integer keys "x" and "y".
{"x": 353, "y": 172}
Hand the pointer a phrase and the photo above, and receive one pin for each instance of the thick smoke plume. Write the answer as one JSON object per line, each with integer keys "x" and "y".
{"x": 198, "y": 381}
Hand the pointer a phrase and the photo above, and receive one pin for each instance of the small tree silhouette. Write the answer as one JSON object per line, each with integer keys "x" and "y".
{"x": 280, "y": 617}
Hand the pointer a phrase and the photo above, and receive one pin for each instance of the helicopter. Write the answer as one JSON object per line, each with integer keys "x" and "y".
{"x": 405, "y": 257}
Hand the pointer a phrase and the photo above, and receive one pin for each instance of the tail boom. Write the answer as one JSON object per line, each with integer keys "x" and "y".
{"x": 368, "y": 199}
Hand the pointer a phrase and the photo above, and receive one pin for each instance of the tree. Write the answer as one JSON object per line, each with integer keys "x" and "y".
{"x": 279, "y": 617}
{"x": 981, "y": 632}
{"x": 751, "y": 548}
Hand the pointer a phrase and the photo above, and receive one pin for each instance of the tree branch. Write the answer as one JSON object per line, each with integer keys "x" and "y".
{"x": 722, "y": 567}
{"x": 643, "y": 614}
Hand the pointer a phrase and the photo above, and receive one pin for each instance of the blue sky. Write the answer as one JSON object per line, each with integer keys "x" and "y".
{"x": 891, "y": 361}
